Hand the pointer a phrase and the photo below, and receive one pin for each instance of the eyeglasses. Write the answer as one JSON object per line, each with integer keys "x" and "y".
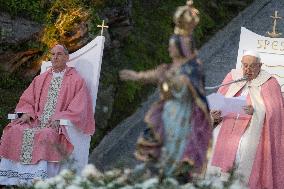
{"x": 251, "y": 66}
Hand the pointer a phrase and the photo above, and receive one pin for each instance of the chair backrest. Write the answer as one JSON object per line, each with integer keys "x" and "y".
{"x": 271, "y": 51}
{"x": 87, "y": 61}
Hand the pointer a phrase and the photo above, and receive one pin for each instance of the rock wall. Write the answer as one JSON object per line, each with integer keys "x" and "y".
{"x": 16, "y": 30}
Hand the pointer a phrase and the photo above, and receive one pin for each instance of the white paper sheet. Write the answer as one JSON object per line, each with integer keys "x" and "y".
{"x": 226, "y": 105}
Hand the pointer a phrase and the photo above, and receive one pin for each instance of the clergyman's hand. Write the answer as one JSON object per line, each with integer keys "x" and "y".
{"x": 216, "y": 116}
{"x": 54, "y": 124}
{"x": 128, "y": 75}
{"x": 248, "y": 109}
{"x": 25, "y": 118}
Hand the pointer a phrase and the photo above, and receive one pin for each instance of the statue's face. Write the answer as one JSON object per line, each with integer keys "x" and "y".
{"x": 58, "y": 58}
{"x": 189, "y": 22}
{"x": 251, "y": 67}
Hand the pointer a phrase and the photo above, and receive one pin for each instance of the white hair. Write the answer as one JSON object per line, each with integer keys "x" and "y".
{"x": 65, "y": 50}
{"x": 252, "y": 53}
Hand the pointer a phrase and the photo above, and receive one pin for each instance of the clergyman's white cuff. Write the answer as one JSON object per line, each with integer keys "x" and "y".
{"x": 65, "y": 122}
{"x": 12, "y": 116}
{"x": 15, "y": 115}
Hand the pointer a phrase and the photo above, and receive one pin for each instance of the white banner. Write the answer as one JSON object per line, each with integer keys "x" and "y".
{"x": 87, "y": 62}
{"x": 271, "y": 51}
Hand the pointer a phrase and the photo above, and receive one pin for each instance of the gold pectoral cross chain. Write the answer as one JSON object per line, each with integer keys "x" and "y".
{"x": 235, "y": 122}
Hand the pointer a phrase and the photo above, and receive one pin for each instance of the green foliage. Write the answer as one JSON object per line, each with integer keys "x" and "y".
{"x": 33, "y": 9}
{"x": 114, "y": 3}
{"x": 61, "y": 19}
{"x": 11, "y": 87}
{"x": 214, "y": 15}
{"x": 59, "y": 6}
{"x": 95, "y": 19}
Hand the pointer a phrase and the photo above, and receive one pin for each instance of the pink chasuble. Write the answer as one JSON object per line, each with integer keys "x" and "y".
{"x": 228, "y": 140}
{"x": 268, "y": 166}
{"x": 73, "y": 103}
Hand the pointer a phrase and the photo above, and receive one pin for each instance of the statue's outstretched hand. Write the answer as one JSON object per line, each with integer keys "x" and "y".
{"x": 25, "y": 118}
{"x": 128, "y": 75}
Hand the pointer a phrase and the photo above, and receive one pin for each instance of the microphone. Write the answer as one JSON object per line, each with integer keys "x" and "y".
{"x": 231, "y": 82}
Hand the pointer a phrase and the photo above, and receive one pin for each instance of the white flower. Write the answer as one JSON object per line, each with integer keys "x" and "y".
{"x": 217, "y": 184}
{"x": 204, "y": 183}
{"x": 65, "y": 172}
{"x": 91, "y": 171}
{"x": 73, "y": 187}
{"x": 150, "y": 183}
{"x": 237, "y": 185}
{"x": 50, "y": 181}
{"x": 101, "y": 187}
{"x": 188, "y": 186}
{"x": 126, "y": 187}
{"x": 77, "y": 180}
{"x": 110, "y": 185}
{"x": 41, "y": 185}
{"x": 171, "y": 181}
{"x": 126, "y": 171}
{"x": 120, "y": 180}
{"x": 113, "y": 173}
{"x": 58, "y": 179}
{"x": 60, "y": 185}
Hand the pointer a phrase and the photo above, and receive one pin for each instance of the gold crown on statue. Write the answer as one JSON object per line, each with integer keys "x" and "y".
{"x": 185, "y": 19}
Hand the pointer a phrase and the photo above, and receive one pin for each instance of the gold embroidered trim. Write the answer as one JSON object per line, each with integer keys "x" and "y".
{"x": 49, "y": 109}
{"x": 50, "y": 104}
{"x": 27, "y": 146}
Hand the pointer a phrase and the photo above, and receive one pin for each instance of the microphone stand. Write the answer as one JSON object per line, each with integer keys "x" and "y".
{"x": 235, "y": 81}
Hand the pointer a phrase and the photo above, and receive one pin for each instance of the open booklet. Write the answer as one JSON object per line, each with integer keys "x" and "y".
{"x": 226, "y": 105}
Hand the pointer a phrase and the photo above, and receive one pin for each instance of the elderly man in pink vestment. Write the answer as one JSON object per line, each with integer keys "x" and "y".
{"x": 34, "y": 145}
{"x": 251, "y": 144}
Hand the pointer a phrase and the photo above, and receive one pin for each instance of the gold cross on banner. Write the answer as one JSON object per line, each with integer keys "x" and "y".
{"x": 273, "y": 33}
{"x": 102, "y": 26}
